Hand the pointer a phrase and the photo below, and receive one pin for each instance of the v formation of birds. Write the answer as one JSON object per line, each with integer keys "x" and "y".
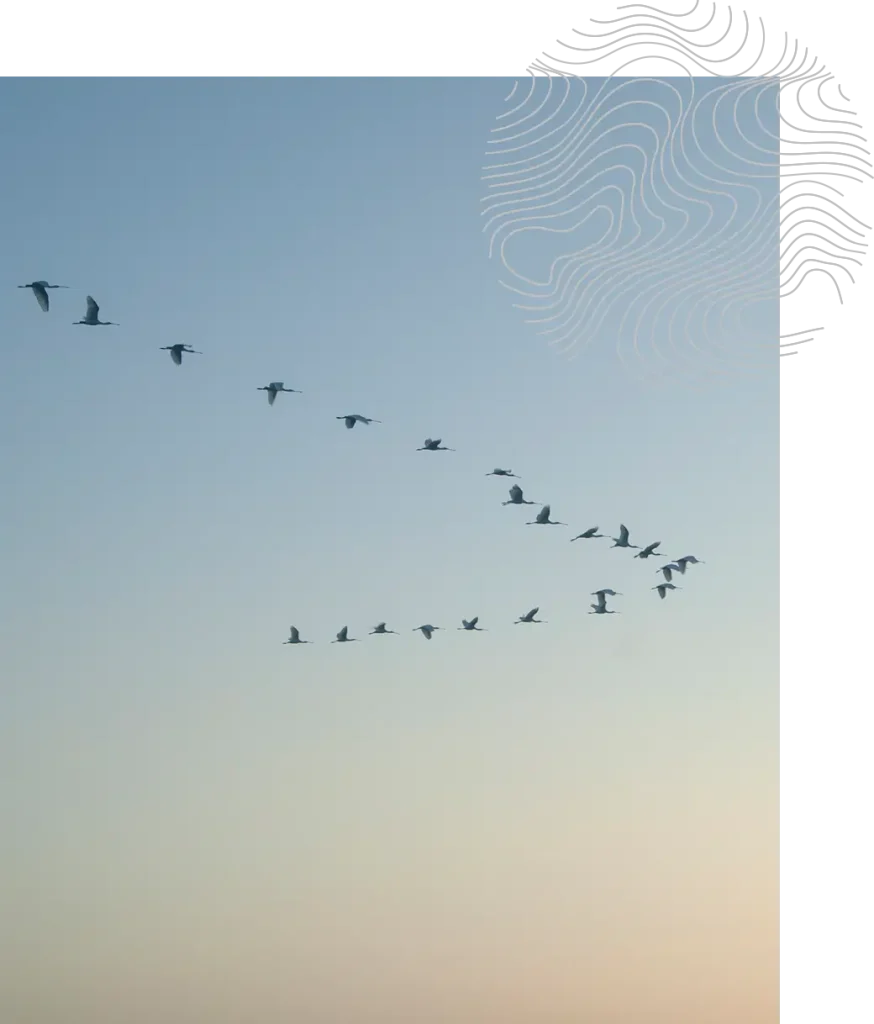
{"x": 91, "y": 318}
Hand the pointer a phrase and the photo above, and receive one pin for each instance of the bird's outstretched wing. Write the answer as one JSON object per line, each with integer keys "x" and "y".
{"x": 295, "y": 634}
{"x": 91, "y": 308}
{"x": 532, "y": 613}
{"x": 515, "y": 492}
{"x": 271, "y": 395}
{"x": 544, "y": 512}
{"x": 473, "y": 621}
{"x": 277, "y": 384}
{"x": 623, "y": 533}
{"x": 42, "y": 296}
{"x": 343, "y": 633}
{"x": 176, "y": 356}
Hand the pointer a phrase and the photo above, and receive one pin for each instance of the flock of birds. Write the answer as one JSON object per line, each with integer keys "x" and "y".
{"x": 598, "y": 608}
{"x": 40, "y": 290}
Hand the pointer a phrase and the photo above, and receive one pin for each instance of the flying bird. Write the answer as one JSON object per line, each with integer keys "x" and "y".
{"x": 356, "y": 418}
{"x": 622, "y": 540}
{"x": 503, "y": 472}
{"x": 516, "y": 497}
{"x": 273, "y": 390}
{"x": 344, "y": 638}
{"x": 589, "y": 534}
{"x": 434, "y": 446}
{"x": 471, "y": 625}
{"x": 426, "y": 631}
{"x": 542, "y": 519}
{"x": 663, "y": 588}
{"x": 294, "y": 638}
{"x": 687, "y": 560}
{"x": 39, "y": 290}
{"x": 668, "y": 571}
{"x": 90, "y": 319}
{"x": 177, "y": 350}
{"x": 380, "y": 629}
{"x": 529, "y": 617}
{"x": 650, "y": 549}
{"x": 601, "y": 607}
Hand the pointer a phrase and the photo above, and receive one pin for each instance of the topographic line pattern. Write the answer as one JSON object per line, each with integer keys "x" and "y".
{"x": 671, "y": 213}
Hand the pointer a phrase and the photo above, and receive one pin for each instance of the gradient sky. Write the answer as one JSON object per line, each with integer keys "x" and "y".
{"x": 565, "y": 822}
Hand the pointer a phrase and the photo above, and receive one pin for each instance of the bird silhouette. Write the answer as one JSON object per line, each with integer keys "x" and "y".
{"x": 344, "y": 638}
{"x": 686, "y": 560}
{"x": 176, "y": 352}
{"x": 589, "y": 534}
{"x": 426, "y": 631}
{"x": 622, "y": 540}
{"x": 668, "y": 571}
{"x": 601, "y": 607}
{"x": 434, "y": 446}
{"x": 542, "y": 519}
{"x": 39, "y": 290}
{"x": 273, "y": 390}
{"x": 354, "y": 418}
{"x": 529, "y": 617}
{"x": 516, "y": 497}
{"x": 91, "y": 319}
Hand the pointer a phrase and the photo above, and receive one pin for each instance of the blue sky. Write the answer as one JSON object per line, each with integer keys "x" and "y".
{"x": 164, "y": 526}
